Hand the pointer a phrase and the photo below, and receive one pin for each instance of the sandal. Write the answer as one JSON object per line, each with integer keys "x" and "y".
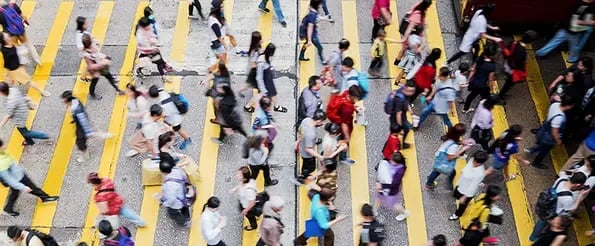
{"x": 249, "y": 109}
{"x": 213, "y": 121}
{"x": 248, "y": 228}
{"x": 280, "y": 109}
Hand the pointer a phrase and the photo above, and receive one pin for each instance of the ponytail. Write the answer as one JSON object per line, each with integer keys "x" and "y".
{"x": 212, "y": 202}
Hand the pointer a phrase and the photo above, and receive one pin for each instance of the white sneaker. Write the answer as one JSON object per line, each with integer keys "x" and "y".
{"x": 131, "y": 153}
{"x": 453, "y": 217}
{"x": 403, "y": 216}
{"x": 81, "y": 159}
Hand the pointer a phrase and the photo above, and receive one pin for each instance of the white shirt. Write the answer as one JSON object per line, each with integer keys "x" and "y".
{"x": 553, "y": 111}
{"x": 483, "y": 117}
{"x": 223, "y": 28}
{"x": 565, "y": 203}
{"x": 208, "y": 226}
{"x": 470, "y": 179}
{"x": 478, "y": 25}
{"x": 247, "y": 193}
{"x": 384, "y": 174}
{"x": 458, "y": 80}
{"x": 172, "y": 116}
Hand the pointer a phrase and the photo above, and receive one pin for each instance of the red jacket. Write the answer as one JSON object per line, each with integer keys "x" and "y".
{"x": 425, "y": 76}
{"x": 105, "y": 192}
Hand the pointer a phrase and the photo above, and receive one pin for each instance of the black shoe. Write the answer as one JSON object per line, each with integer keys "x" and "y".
{"x": 318, "y": 140}
{"x": 95, "y": 97}
{"x": 273, "y": 182}
{"x": 304, "y": 59}
{"x": 396, "y": 62}
{"x": 284, "y": 24}
{"x": 534, "y": 131}
{"x": 50, "y": 199}
{"x": 539, "y": 165}
{"x": 406, "y": 145}
{"x": 11, "y": 213}
{"x": 264, "y": 10}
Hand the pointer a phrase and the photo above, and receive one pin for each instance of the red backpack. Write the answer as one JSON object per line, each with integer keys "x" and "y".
{"x": 334, "y": 105}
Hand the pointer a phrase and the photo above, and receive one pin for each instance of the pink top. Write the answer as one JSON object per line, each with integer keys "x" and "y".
{"x": 378, "y": 4}
{"x": 416, "y": 18}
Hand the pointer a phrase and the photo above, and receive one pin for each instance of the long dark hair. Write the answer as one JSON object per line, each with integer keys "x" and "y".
{"x": 509, "y": 137}
{"x": 222, "y": 70}
{"x": 164, "y": 139}
{"x": 432, "y": 57}
{"x": 80, "y": 23}
{"x": 423, "y": 7}
{"x": 216, "y": 12}
{"x": 212, "y": 202}
{"x": 455, "y": 132}
{"x": 269, "y": 52}
{"x": 255, "y": 42}
{"x": 131, "y": 87}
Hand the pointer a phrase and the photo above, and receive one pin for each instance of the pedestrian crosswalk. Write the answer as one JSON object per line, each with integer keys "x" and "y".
{"x": 61, "y": 164}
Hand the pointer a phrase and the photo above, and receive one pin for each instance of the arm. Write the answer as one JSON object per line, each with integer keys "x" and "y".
{"x": 386, "y": 15}
{"x": 260, "y": 78}
{"x": 311, "y": 151}
{"x": 559, "y": 240}
{"x": 10, "y": 181}
{"x": 471, "y": 73}
{"x": 250, "y": 206}
{"x": 346, "y": 133}
{"x": 492, "y": 82}
{"x": 5, "y": 120}
{"x": 92, "y": 66}
{"x": 399, "y": 118}
{"x": 556, "y": 82}
{"x": 490, "y": 37}
{"x": 495, "y": 28}
{"x": 407, "y": 32}
{"x": 556, "y": 135}
{"x": 310, "y": 32}
{"x": 460, "y": 152}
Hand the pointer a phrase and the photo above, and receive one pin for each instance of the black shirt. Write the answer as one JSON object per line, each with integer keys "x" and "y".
{"x": 372, "y": 232}
{"x": 581, "y": 9}
{"x": 481, "y": 77}
{"x": 11, "y": 58}
{"x": 400, "y": 105}
{"x": 548, "y": 237}
{"x": 518, "y": 57}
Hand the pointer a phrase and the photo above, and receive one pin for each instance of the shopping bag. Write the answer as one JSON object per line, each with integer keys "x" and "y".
{"x": 191, "y": 169}
{"x": 151, "y": 174}
{"x": 313, "y": 229}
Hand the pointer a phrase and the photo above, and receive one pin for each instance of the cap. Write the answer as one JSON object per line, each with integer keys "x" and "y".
{"x": 217, "y": 3}
{"x": 92, "y": 176}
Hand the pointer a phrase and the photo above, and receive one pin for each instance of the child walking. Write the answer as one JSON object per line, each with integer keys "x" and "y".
{"x": 378, "y": 50}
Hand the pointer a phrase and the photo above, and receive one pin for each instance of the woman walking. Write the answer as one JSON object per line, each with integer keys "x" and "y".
{"x": 469, "y": 182}
{"x": 212, "y": 222}
{"x": 482, "y": 122}
{"x": 308, "y": 31}
{"x": 216, "y": 22}
{"x": 482, "y": 79}
{"x": 265, "y": 80}
{"x": 507, "y": 145}
{"x": 15, "y": 68}
{"x": 425, "y": 75}
{"x": 447, "y": 154}
{"x": 413, "y": 55}
{"x": 246, "y": 192}
{"x": 254, "y": 53}
{"x": 82, "y": 27}
{"x": 479, "y": 209}
{"x": 147, "y": 47}
{"x": 319, "y": 213}
{"x": 98, "y": 64}
{"x": 389, "y": 178}
{"x": 231, "y": 119}
{"x": 258, "y": 155}
{"x": 138, "y": 104}
{"x": 416, "y": 17}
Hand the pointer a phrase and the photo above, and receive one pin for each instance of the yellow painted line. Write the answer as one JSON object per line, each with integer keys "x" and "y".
{"x": 44, "y": 213}
{"x": 357, "y": 149}
{"x": 14, "y": 143}
{"x": 111, "y": 148}
{"x": 306, "y": 69}
{"x": 150, "y": 206}
{"x": 412, "y": 198}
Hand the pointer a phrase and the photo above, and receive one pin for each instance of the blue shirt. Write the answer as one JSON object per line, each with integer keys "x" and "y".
{"x": 312, "y": 17}
{"x": 319, "y": 212}
{"x": 590, "y": 140}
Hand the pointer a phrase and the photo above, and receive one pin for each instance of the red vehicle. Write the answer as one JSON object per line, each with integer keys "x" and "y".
{"x": 515, "y": 12}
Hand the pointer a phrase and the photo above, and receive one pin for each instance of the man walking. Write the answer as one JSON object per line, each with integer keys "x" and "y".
{"x": 17, "y": 109}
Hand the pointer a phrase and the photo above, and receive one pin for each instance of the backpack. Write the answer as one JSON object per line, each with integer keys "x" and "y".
{"x": 372, "y": 232}
{"x": 14, "y": 21}
{"x": 179, "y": 100}
{"x": 334, "y": 105}
{"x": 547, "y": 201}
{"x": 544, "y": 133}
{"x": 261, "y": 199}
{"x": 123, "y": 241}
{"x": 389, "y": 102}
{"x": 362, "y": 82}
{"x": 46, "y": 239}
{"x": 189, "y": 191}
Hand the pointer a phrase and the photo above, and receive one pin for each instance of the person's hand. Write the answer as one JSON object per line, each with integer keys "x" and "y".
{"x": 496, "y": 28}
{"x": 497, "y": 40}
{"x": 244, "y": 212}
{"x": 526, "y": 162}
{"x": 588, "y": 117}
{"x": 341, "y": 217}
{"x": 308, "y": 44}
{"x": 27, "y": 189}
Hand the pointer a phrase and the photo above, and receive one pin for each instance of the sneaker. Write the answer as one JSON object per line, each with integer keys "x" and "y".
{"x": 49, "y": 199}
{"x": 46, "y": 93}
{"x": 273, "y": 182}
{"x": 403, "y": 216}
{"x": 81, "y": 159}
{"x": 242, "y": 53}
{"x": 467, "y": 111}
{"x": 283, "y": 24}
{"x": 131, "y": 153}
{"x": 453, "y": 217}
{"x": 11, "y": 213}
{"x": 185, "y": 143}
{"x": 217, "y": 141}
{"x": 434, "y": 185}
{"x": 348, "y": 162}
{"x": 96, "y": 97}
{"x": 264, "y": 9}
{"x": 192, "y": 17}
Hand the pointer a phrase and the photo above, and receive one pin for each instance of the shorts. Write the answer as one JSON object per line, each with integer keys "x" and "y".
{"x": 177, "y": 128}
{"x": 498, "y": 165}
{"x": 19, "y": 75}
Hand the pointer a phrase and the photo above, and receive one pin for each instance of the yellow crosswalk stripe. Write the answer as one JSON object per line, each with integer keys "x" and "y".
{"x": 357, "y": 149}
{"x": 117, "y": 124}
{"x": 307, "y": 69}
{"x": 412, "y": 197}
{"x": 14, "y": 146}
{"x": 150, "y": 205}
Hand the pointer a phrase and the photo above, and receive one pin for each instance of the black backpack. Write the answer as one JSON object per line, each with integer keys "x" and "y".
{"x": 372, "y": 232}
{"x": 546, "y": 205}
{"x": 261, "y": 198}
{"x": 46, "y": 239}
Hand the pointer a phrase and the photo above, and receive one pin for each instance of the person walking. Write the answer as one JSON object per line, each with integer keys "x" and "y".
{"x": 145, "y": 140}
{"x": 478, "y": 210}
{"x": 507, "y": 145}
{"x": 340, "y": 110}
{"x": 482, "y": 79}
{"x": 147, "y": 46}
{"x": 327, "y": 15}
{"x": 15, "y": 26}
{"x": 441, "y": 100}
{"x": 469, "y": 182}
{"x": 246, "y": 192}
{"x": 413, "y": 55}
{"x": 271, "y": 226}
{"x": 109, "y": 202}
{"x": 231, "y": 119}
{"x": 172, "y": 115}
{"x": 549, "y": 134}
{"x": 483, "y": 121}
{"x": 309, "y": 101}
{"x": 308, "y": 31}
{"x": 254, "y": 54}
{"x": 29, "y": 237}
{"x": 174, "y": 187}
{"x": 137, "y": 104}
{"x": 389, "y": 178}
{"x": 13, "y": 176}
{"x": 372, "y": 232}
{"x": 195, "y": 4}
{"x": 17, "y": 109}
{"x": 378, "y": 51}
{"x": 319, "y": 212}
{"x": 478, "y": 28}
{"x": 516, "y": 62}
{"x": 400, "y": 108}
{"x": 584, "y": 150}
{"x": 82, "y": 27}
{"x": 98, "y": 64}
{"x": 212, "y": 222}
{"x": 415, "y": 17}
{"x": 556, "y": 233}
{"x": 425, "y": 75}
{"x": 278, "y": 12}
{"x": 307, "y": 143}
{"x": 218, "y": 25}
{"x": 264, "y": 121}
{"x": 82, "y": 124}
{"x": 111, "y": 236}
{"x": 14, "y": 64}
{"x": 258, "y": 155}
{"x": 581, "y": 21}
{"x": 392, "y": 143}
{"x": 381, "y": 15}
{"x": 331, "y": 72}
{"x": 265, "y": 79}
{"x": 448, "y": 152}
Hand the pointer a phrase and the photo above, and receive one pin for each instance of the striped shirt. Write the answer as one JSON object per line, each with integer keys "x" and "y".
{"x": 17, "y": 107}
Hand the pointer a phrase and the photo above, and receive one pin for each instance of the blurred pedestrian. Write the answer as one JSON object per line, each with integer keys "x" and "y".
{"x": 14, "y": 64}
{"x": 195, "y": 4}
{"x": 17, "y": 109}
{"x": 309, "y": 101}
{"x": 147, "y": 46}
{"x": 441, "y": 99}
{"x": 278, "y": 11}
{"x": 319, "y": 213}
{"x": 246, "y": 192}
{"x": 372, "y": 232}
{"x": 445, "y": 158}
{"x": 258, "y": 155}
{"x": 212, "y": 222}
{"x": 174, "y": 188}
{"x": 381, "y": 15}
{"x": 98, "y": 64}
{"x": 307, "y": 144}
{"x": 308, "y": 31}
{"x": 482, "y": 79}
{"x": 16, "y": 26}
{"x": 271, "y": 226}
{"x": 483, "y": 121}
{"x": 172, "y": 114}
{"x": 505, "y": 146}
{"x": 389, "y": 178}
{"x": 109, "y": 202}
{"x": 468, "y": 185}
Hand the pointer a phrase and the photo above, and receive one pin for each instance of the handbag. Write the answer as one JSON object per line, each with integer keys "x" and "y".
{"x": 441, "y": 162}
{"x": 313, "y": 229}
{"x": 191, "y": 169}
{"x": 404, "y": 24}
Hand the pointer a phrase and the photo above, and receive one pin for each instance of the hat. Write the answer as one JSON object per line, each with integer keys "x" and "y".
{"x": 114, "y": 220}
{"x": 217, "y": 4}
{"x": 92, "y": 176}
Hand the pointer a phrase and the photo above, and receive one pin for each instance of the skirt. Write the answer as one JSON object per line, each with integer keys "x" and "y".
{"x": 408, "y": 62}
{"x": 19, "y": 75}
{"x": 271, "y": 89}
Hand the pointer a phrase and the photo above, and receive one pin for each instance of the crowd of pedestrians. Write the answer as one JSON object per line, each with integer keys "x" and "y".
{"x": 476, "y": 192}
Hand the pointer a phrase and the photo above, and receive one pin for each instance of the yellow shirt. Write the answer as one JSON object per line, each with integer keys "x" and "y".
{"x": 476, "y": 209}
{"x": 378, "y": 48}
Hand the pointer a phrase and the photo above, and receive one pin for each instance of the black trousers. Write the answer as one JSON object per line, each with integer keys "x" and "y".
{"x": 308, "y": 166}
{"x": 255, "y": 169}
{"x": 462, "y": 206}
{"x": 81, "y": 139}
{"x": 507, "y": 86}
{"x": 474, "y": 92}
{"x": 195, "y": 3}
{"x": 329, "y": 239}
{"x": 180, "y": 216}
{"x": 109, "y": 78}
{"x": 377, "y": 27}
{"x": 220, "y": 243}
{"x": 376, "y": 64}
{"x": 13, "y": 195}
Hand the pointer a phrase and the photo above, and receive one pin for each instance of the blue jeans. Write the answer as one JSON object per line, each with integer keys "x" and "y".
{"x": 542, "y": 151}
{"x": 325, "y": 8}
{"x": 29, "y": 135}
{"x": 434, "y": 175}
{"x": 129, "y": 214}
{"x": 574, "y": 39}
{"x": 316, "y": 43}
{"x": 537, "y": 229}
{"x": 276, "y": 6}
{"x": 428, "y": 110}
